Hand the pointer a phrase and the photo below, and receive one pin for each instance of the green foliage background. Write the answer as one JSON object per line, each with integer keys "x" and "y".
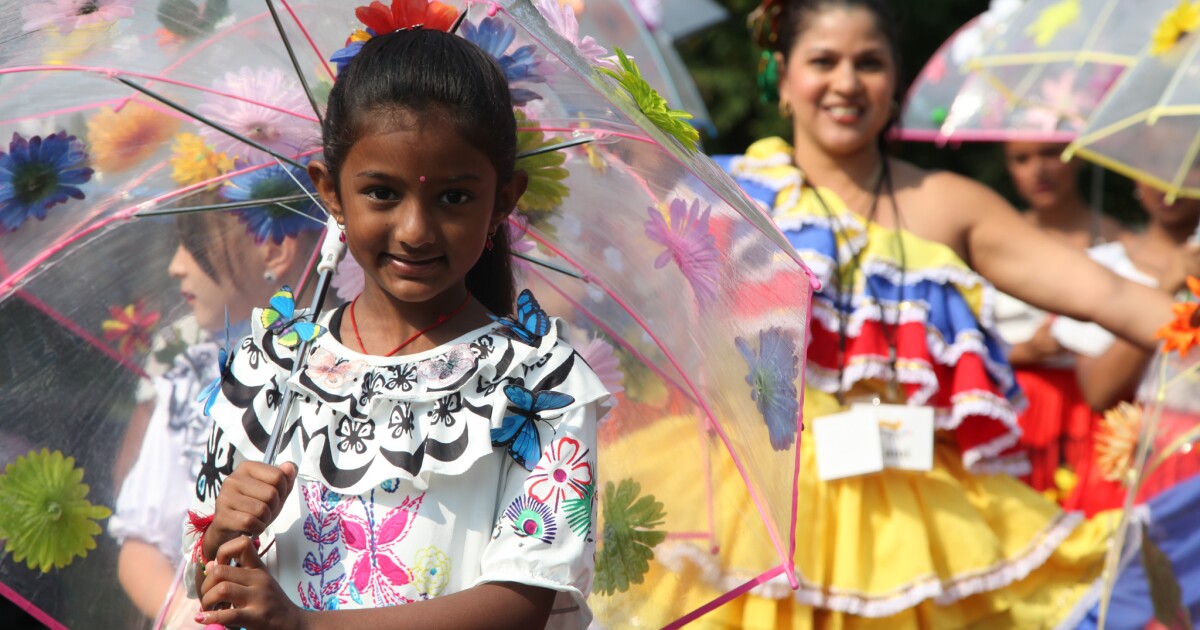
{"x": 724, "y": 63}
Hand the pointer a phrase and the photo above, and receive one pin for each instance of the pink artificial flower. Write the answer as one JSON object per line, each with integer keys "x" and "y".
{"x": 277, "y": 130}
{"x": 562, "y": 19}
{"x": 600, "y": 356}
{"x": 690, "y": 244}
{"x": 69, "y": 15}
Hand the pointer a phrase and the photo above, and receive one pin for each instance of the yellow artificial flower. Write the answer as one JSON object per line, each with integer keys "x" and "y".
{"x": 193, "y": 161}
{"x": 120, "y": 140}
{"x": 1053, "y": 19}
{"x": 1177, "y": 22}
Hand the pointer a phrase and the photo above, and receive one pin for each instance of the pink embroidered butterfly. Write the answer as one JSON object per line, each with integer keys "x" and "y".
{"x": 377, "y": 570}
{"x": 330, "y": 372}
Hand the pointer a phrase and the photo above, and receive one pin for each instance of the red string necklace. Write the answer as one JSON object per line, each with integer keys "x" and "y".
{"x": 441, "y": 319}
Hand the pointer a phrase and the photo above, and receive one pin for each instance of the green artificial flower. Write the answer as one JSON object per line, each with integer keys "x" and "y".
{"x": 46, "y": 521}
{"x": 545, "y": 191}
{"x": 629, "y": 538}
{"x": 670, "y": 121}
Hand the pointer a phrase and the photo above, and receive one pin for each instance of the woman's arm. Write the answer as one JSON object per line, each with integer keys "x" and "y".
{"x": 1033, "y": 267}
{"x": 1110, "y": 377}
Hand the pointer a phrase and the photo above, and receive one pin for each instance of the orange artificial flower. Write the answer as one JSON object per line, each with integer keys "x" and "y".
{"x": 120, "y": 140}
{"x": 1116, "y": 440}
{"x": 130, "y": 327}
{"x": 1183, "y": 333}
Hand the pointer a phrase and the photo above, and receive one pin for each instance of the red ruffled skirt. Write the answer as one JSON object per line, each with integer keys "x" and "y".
{"x": 1056, "y": 427}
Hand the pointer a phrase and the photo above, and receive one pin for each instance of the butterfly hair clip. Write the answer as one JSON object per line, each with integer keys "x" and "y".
{"x": 529, "y": 324}
{"x": 280, "y": 318}
{"x": 208, "y": 395}
{"x": 519, "y": 430}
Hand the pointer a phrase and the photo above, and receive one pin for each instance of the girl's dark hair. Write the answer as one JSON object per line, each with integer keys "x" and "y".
{"x": 430, "y": 72}
{"x": 794, "y": 17}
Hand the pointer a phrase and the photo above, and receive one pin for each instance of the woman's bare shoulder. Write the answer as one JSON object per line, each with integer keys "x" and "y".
{"x": 951, "y": 202}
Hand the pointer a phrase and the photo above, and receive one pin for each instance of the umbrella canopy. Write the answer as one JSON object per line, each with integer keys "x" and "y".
{"x": 1148, "y": 128}
{"x": 950, "y": 103}
{"x": 1061, "y": 56}
{"x": 680, "y": 287}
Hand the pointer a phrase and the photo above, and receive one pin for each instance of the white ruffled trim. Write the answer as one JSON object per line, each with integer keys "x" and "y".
{"x": 924, "y": 588}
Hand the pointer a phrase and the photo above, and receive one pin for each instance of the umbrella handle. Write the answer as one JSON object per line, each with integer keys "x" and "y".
{"x": 333, "y": 249}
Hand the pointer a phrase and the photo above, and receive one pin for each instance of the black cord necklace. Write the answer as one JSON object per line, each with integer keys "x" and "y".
{"x": 844, "y": 299}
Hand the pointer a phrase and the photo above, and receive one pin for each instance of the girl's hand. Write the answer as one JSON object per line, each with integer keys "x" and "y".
{"x": 249, "y": 501}
{"x": 245, "y": 596}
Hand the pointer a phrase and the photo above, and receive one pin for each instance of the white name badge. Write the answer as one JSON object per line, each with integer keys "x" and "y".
{"x": 906, "y": 433}
{"x": 848, "y": 444}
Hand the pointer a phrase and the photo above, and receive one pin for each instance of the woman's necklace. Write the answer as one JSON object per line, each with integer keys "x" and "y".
{"x": 441, "y": 319}
{"x": 845, "y": 299}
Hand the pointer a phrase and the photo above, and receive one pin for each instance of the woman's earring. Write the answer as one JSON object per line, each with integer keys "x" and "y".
{"x": 269, "y": 276}
{"x": 489, "y": 245}
{"x": 785, "y": 108}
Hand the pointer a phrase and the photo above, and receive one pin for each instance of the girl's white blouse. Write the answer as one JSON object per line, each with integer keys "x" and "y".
{"x": 420, "y": 475}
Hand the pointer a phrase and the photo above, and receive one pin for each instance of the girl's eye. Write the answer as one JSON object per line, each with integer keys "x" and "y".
{"x": 455, "y": 197}
{"x": 381, "y": 194}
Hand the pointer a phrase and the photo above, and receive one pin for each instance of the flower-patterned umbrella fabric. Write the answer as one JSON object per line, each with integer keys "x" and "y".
{"x": 1059, "y": 57}
{"x": 684, "y": 296}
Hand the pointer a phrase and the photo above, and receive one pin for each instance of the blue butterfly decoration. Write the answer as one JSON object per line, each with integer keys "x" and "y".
{"x": 280, "y": 318}
{"x": 519, "y": 431}
{"x": 530, "y": 324}
{"x": 209, "y": 394}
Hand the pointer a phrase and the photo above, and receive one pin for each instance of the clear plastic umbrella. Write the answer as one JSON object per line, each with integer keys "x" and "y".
{"x": 683, "y": 291}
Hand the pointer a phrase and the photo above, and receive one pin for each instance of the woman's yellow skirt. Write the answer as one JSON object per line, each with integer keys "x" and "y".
{"x": 898, "y": 549}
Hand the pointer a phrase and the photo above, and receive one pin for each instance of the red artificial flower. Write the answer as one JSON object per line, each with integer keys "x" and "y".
{"x": 130, "y": 327}
{"x": 407, "y": 14}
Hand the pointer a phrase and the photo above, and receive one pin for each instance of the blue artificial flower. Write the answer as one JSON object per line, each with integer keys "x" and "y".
{"x": 356, "y": 42}
{"x": 495, "y": 36}
{"x": 273, "y": 220}
{"x": 772, "y": 381}
{"x": 38, "y": 174}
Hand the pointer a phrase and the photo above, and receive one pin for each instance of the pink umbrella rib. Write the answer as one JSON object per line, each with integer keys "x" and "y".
{"x": 78, "y": 331}
{"x": 726, "y": 598}
{"x": 114, "y": 72}
{"x": 308, "y": 37}
{"x": 737, "y": 462}
{"x": 27, "y": 606}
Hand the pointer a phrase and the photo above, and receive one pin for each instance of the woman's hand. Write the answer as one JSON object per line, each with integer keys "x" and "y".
{"x": 245, "y": 596}
{"x": 249, "y": 501}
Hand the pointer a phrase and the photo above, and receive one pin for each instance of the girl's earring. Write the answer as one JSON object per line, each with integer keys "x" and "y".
{"x": 342, "y": 228}
{"x": 489, "y": 245}
{"x": 269, "y": 276}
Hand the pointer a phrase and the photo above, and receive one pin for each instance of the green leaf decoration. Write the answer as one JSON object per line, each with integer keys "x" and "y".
{"x": 1165, "y": 593}
{"x": 629, "y": 537}
{"x": 46, "y": 520}
{"x": 579, "y": 512}
{"x": 545, "y": 191}
{"x": 670, "y": 121}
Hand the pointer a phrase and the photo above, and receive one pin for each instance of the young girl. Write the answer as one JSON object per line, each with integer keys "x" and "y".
{"x": 220, "y": 270}
{"x": 434, "y": 458}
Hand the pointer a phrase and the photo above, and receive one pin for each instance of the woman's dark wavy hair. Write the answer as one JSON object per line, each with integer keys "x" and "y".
{"x": 794, "y": 19}
{"x": 435, "y": 76}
